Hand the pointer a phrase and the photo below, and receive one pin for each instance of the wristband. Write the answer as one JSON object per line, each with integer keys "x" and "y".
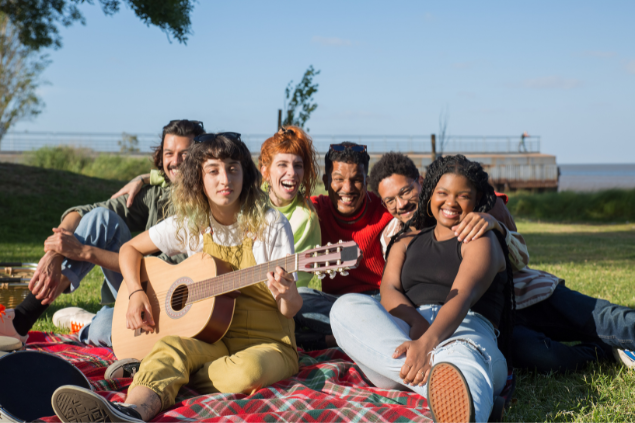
{"x": 134, "y": 292}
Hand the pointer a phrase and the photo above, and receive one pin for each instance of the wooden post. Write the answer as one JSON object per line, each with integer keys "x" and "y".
{"x": 433, "y": 140}
{"x": 279, "y": 118}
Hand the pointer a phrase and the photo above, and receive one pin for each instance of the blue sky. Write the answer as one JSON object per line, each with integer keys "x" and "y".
{"x": 563, "y": 70}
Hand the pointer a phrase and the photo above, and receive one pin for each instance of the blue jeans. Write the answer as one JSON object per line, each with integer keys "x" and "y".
{"x": 103, "y": 229}
{"x": 369, "y": 335}
{"x": 569, "y": 316}
{"x": 316, "y": 307}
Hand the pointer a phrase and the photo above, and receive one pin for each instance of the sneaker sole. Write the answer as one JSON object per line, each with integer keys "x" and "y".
{"x": 113, "y": 371}
{"x": 75, "y": 404}
{"x": 626, "y": 358}
{"x": 449, "y": 397}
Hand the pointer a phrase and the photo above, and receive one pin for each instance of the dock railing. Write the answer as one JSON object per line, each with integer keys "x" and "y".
{"x": 19, "y": 141}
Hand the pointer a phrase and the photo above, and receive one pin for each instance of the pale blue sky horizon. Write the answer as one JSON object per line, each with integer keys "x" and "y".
{"x": 562, "y": 70}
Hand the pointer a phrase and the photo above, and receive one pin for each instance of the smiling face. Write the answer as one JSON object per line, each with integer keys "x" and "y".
{"x": 284, "y": 176}
{"x": 400, "y": 195}
{"x": 223, "y": 182}
{"x": 346, "y": 186}
{"x": 453, "y": 198}
{"x": 174, "y": 152}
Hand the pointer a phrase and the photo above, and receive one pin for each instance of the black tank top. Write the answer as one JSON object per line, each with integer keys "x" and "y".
{"x": 429, "y": 271}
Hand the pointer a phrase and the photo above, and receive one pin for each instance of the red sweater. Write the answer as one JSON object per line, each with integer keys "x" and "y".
{"x": 366, "y": 232}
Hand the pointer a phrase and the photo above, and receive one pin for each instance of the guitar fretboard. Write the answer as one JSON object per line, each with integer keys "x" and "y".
{"x": 239, "y": 279}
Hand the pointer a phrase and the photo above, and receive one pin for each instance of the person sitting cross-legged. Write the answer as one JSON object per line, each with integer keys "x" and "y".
{"x": 221, "y": 210}
{"x": 92, "y": 235}
{"x": 443, "y": 327}
{"x": 548, "y": 313}
{"x": 348, "y": 212}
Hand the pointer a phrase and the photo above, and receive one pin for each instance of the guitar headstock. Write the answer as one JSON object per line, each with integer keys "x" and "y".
{"x": 330, "y": 259}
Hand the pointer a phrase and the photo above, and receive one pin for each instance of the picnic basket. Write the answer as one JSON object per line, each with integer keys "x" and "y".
{"x": 14, "y": 286}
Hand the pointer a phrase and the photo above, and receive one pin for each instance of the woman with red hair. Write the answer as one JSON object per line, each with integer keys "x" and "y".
{"x": 288, "y": 163}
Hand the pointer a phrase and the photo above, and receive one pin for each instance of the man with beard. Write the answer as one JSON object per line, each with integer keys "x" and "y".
{"x": 348, "y": 212}
{"x": 92, "y": 235}
{"x": 547, "y": 312}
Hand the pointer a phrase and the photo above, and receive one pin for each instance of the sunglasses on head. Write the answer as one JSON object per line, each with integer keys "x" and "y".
{"x": 341, "y": 147}
{"x": 232, "y": 136}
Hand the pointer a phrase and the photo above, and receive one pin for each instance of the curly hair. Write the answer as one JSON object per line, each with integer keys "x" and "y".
{"x": 191, "y": 205}
{"x": 293, "y": 140}
{"x": 474, "y": 173}
{"x": 181, "y": 128}
{"x": 346, "y": 156}
{"x": 390, "y": 164}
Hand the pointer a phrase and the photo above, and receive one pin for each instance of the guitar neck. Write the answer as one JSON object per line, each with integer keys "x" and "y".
{"x": 232, "y": 281}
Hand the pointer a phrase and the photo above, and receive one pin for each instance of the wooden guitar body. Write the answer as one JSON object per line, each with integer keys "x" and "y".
{"x": 207, "y": 320}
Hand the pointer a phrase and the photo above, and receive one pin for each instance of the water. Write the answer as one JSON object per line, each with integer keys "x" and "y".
{"x": 595, "y": 177}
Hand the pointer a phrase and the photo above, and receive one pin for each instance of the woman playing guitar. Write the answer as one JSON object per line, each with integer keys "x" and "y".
{"x": 221, "y": 210}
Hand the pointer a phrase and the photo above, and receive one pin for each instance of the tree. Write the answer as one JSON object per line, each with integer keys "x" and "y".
{"x": 128, "y": 143}
{"x": 20, "y": 69}
{"x": 301, "y": 100}
{"x": 37, "y": 21}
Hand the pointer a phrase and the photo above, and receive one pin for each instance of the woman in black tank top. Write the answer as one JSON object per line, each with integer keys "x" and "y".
{"x": 453, "y": 297}
{"x": 430, "y": 266}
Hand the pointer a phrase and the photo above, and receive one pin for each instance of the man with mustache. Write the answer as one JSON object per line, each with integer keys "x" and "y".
{"x": 348, "y": 212}
{"x": 547, "y": 313}
{"x": 92, "y": 235}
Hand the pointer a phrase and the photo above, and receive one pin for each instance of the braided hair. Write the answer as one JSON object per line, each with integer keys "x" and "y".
{"x": 474, "y": 173}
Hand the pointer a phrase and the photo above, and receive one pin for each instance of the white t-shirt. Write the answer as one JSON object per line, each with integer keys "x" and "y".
{"x": 277, "y": 237}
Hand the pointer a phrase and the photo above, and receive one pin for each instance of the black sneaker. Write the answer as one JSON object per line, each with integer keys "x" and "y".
{"x": 127, "y": 367}
{"x": 75, "y": 404}
{"x": 311, "y": 341}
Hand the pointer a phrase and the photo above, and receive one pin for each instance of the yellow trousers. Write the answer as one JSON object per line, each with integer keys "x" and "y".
{"x": 225, "y": 366}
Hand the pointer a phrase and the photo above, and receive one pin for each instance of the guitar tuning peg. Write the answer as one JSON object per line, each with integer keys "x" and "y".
{"x": 329, "y": 243}
{"x": 332, "y": 274}
{"x": 340, "y": 242}
{"x": 320, "y": 275}
{"x": 342, "y": 271}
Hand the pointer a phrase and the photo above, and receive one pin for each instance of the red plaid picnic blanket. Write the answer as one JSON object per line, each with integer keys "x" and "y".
{"x": 329, "y": 387}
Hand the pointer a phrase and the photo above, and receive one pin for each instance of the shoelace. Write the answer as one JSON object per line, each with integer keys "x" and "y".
{"x": 2, "y": 312}
{"x": 76, "y": 327}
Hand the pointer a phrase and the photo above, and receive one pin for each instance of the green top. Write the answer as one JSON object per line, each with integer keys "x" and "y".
{"x": 306, "y": 231}
{"x": 149, "y": 207}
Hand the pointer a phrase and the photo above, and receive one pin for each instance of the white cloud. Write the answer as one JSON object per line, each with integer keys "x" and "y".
{"x": 599, "y": 54}
{"x": 552, "y": 83}
{"x": 630, "y": 67}
{"x": 331, "y": 41}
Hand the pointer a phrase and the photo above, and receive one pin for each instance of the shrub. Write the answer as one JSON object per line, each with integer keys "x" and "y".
{"x": 614, "y": 205}
{"x": 85, "y": 162}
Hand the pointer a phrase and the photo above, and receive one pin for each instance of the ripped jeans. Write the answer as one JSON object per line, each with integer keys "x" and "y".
{"x": 369, "y": 335}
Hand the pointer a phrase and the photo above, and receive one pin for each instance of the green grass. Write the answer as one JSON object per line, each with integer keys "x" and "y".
{"x": 86, "y": 162}
{"x": 615, "y": 206}
{"x": 598, "y": 260}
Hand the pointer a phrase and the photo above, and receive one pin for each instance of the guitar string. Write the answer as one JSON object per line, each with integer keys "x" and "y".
{"x": 217, "y": 281}
{"x": 203, "y": 287}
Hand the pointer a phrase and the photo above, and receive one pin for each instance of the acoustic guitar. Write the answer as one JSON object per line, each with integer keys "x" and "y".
{"x": 188, "y": 298}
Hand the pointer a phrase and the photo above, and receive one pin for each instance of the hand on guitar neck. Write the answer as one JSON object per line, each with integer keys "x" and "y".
{"x": 196, "y": 297}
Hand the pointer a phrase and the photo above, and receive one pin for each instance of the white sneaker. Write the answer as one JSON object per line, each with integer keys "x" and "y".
{"x": 6, "y": 324}
{"x": 72, "y": 318}
{"x": 626, "y": 357}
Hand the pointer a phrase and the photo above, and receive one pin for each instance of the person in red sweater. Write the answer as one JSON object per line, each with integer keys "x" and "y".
{"x": 348, "y": 212}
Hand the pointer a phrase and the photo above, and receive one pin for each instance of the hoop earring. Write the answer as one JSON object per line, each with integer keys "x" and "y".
{"x": 428, "y": 206}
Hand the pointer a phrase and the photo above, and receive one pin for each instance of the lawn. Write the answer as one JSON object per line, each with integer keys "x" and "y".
{"x": 597, "y": 259}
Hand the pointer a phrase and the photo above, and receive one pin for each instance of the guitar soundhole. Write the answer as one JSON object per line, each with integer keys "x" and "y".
{"x": 179, "y": 298}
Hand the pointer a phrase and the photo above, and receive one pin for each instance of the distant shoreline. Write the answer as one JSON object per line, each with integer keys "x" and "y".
{"x": 596, "y": 177}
